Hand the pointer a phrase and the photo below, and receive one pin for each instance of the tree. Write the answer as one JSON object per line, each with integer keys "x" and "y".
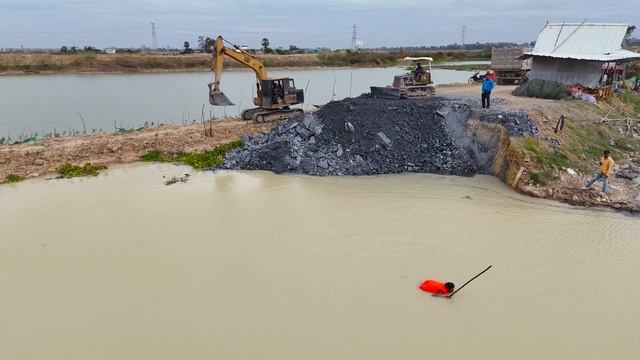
{"x": 187, "y": 48}
{"x": 265, "y": 44}
{"x": 205, "y": 44}
{"x": 64, "y": 49}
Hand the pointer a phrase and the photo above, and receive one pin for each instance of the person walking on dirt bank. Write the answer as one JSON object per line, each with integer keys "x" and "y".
{"x": 487, "y": 86}
{"x": 604, "y": 170}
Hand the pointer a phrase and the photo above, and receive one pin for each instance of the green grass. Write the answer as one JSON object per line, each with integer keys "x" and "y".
{"x": 156, "y": 156}
{"x": 12, "y": 178}
{"x": 541, "y": 178}
{"x": 548, "y": 159}
{"x": 591, "y": 139}
{"x": 198, "y": 160}
{"x": 69, "y": 171}
{"x": 631, "y": 98}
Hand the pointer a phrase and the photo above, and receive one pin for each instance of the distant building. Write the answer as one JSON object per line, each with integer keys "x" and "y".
{"x": 587, "y": 54}
{"x": 110, "y": 50}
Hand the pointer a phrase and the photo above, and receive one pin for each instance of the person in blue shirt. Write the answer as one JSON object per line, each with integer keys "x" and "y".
{"x": 487, "y": 86}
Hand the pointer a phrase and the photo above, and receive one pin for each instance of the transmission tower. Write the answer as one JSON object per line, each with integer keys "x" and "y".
{"x": 464, "y": 32}
{"x": 354, "y": 38}
{"x": 154, "y": 38}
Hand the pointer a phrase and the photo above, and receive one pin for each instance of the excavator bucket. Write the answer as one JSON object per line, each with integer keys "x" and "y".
{"x": 217, "y": 97}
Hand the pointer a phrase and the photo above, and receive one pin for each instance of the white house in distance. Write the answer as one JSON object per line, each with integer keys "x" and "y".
{"x": 110, "y": 50}
{"x": 586, "y": 54}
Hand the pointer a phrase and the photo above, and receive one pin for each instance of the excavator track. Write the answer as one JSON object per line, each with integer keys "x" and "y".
{"x": 261, "y": 115}
{"x": 249, "y": 113}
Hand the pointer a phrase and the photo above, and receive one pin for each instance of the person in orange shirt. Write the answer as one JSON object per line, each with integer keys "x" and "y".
{"x": 604, "y": 170}
{"x": 437, "y": 288}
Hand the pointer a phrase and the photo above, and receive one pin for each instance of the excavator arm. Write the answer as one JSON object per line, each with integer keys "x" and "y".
{"x": 217, "y": 97}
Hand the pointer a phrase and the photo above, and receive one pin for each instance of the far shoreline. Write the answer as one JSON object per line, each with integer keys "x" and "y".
{"x": 19, "y": 73}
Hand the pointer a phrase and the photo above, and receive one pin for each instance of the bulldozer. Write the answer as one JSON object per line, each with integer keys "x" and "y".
{"x": 416, "y": 84}
{"x": 274, "y": 97}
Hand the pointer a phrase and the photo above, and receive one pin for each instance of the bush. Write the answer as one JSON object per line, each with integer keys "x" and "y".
{"x": 202, "y": 160}
{"x": 12, "y": 178}
{"x": 69, "y": 171}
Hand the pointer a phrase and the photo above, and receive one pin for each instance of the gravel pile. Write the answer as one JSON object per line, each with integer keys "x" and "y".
{"x": 365, "y": 136}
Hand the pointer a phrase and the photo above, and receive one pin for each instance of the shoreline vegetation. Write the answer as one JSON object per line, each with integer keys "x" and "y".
{"x": 18, "y": 63}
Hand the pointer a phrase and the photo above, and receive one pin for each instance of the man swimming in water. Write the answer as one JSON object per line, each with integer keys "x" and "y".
{"x": 437, "y": 288}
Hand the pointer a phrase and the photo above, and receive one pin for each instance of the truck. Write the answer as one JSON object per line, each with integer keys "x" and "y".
{"x": 508, "y": 68}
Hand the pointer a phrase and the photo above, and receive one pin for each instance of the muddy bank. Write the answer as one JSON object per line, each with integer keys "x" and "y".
{"x": 45, "y": 156}
{"x": 365, "y": 136}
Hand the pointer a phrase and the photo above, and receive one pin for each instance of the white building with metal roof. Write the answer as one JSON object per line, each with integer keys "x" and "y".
{"x": 580, "y": 53}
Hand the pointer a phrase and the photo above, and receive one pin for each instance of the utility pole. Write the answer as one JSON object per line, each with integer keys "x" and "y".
{"x": 464, "y": 31}
{"x": 154, "y": 38}
{"x": 354, "y": 38}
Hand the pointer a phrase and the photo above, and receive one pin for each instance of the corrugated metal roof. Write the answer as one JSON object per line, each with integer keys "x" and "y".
{"x": 584, "y": 41}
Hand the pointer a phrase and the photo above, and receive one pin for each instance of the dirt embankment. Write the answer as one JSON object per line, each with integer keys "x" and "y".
{"x": 45, "y": 63}
{"x": 45, "y": 156}
{"x": 52, "y": 63}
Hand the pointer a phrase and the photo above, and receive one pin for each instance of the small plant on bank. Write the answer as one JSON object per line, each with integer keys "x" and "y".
{"x": 197, "y": 160}
{"x": 69, "y": 171}
{"x": 541, "y": 178}
{"x": 12, "y": 178}
{"x": 155, "y": 156}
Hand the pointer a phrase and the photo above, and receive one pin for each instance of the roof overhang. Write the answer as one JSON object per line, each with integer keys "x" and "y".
{"x": 423, "y": 58}
{"x": 617, "y": 55}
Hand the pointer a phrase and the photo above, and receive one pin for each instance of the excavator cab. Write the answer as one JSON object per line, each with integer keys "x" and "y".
{"x": 278, "y": 93}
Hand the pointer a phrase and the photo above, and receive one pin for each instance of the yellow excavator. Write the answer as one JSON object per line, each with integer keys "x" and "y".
{"x": 275, "y": 96}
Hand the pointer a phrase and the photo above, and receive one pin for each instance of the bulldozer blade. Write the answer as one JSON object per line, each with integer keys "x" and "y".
{"x": 218, "y": 98}
{"x": 385, "y": 92}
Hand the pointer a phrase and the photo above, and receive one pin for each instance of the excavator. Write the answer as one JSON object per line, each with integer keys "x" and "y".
{"x": 274, "y": 97}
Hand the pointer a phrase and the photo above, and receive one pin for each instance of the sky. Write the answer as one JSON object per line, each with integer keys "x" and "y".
{"x": 304, "y": 23}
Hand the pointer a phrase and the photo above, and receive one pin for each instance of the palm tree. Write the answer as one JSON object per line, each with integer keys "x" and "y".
{"x": 265, "y": 44}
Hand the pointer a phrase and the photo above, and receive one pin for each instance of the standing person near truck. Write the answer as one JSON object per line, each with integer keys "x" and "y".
{"x": 487, "y": 87}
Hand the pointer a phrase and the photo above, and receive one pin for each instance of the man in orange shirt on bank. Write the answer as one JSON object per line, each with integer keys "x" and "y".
{"x": 604, "y": 170}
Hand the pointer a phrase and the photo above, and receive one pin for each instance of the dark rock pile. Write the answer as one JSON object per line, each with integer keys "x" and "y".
{"x": 365, "y": 136}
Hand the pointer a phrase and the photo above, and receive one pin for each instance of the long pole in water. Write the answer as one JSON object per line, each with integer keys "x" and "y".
{"x": 473, "y": 278}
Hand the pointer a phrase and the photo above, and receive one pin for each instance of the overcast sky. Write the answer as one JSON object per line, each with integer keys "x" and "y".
{"x": 306, "y": 23}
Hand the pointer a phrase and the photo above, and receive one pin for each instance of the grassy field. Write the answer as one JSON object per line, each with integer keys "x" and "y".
{"x": 26, "y": 63}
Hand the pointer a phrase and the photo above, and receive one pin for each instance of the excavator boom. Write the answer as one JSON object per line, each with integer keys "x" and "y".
{"x": 216, "y": 96}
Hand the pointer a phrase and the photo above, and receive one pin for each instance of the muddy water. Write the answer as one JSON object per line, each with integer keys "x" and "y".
{"x": 239, "y": 265}
{"x": 42, "y": 104}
